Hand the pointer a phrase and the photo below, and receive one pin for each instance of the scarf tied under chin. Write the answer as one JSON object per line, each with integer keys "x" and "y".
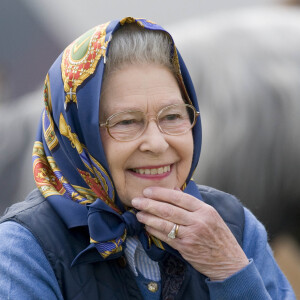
{"x": 108, "y": 231}
{"x": 114, "y": 227}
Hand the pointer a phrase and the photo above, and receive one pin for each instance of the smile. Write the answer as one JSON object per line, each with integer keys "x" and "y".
{"x": 153, "y": 171}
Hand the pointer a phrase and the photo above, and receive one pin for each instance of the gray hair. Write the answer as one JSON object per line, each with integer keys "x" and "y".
{"x": 133, "y": 44}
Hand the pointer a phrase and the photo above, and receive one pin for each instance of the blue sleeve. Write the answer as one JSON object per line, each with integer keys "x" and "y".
{"x": 25, "y": 272}
{"x": 261, "y": 279}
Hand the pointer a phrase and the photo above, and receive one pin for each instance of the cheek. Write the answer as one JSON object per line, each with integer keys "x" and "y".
{"x": 186, "y": 150}
{"x": 112, "y": 149}
{"x": 187, "y": 147}
{"x": 105, "y": 139}
{"x": 116, "y": 156}
{"x": 112, "y": 154}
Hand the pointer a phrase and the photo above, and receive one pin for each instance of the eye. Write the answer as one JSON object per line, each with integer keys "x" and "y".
{"x": 171, "y": 117}
{"x": 126, "y": 122}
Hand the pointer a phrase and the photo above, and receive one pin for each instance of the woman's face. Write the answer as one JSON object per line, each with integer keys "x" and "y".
{"x": 147, "y": 88}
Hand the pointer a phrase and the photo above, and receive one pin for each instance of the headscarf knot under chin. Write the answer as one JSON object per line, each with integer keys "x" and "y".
{"x": 133, "y": 226}
{"x": 106, "y": 224}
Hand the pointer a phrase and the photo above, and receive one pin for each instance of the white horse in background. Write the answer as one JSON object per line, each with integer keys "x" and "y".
{"x": 245, "y": 66}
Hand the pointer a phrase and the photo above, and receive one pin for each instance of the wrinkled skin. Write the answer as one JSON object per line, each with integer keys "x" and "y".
{"x": 203, "y": 239}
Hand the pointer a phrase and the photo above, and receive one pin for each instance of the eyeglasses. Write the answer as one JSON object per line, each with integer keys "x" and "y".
{"x": 175, "y": 119}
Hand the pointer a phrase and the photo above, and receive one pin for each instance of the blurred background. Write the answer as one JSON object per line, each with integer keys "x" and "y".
{"x": 244, "y": 59}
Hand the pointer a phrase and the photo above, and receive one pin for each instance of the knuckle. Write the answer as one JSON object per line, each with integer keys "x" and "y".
{"x": 164, "y": 226}
{"x": 211, "y": 213}
{"x": 167, "y": 212}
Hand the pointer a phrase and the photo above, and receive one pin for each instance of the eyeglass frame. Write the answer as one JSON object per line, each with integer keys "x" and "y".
{"x": 106, "y": 124}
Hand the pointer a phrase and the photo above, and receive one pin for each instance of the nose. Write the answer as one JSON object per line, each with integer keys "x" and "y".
{"x": 153, "y": 140}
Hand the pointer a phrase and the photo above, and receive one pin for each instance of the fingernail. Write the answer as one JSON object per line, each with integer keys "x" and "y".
{"x": 147, "y": 192}
{"x": 139, "y": 216}
{"x": 136, "y": 202}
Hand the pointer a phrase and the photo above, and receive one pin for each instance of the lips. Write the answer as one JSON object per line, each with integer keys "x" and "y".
{"x": 152, "y": 171}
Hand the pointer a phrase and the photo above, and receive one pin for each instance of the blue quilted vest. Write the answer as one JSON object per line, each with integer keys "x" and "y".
{"x": 113, "y": 279}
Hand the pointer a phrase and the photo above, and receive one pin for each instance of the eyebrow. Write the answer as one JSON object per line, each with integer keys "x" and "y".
{"x": 170, "y": 102}
{"x": 134, "y": 107}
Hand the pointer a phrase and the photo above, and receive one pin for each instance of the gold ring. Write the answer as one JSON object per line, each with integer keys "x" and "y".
{"x": 173, "y": 233}
{"x": 176, "y": 230}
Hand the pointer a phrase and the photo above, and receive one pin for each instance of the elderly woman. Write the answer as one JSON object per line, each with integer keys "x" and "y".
{"x": 116, "y": 214}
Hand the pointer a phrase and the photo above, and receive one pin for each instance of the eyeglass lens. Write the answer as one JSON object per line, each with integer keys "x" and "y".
{"x": 173, "y": 120}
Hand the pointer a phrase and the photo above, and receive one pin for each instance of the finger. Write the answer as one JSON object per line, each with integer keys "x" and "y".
{"x": 174, "y": 197}
{"x": 164, "y": 236}
{"x": 163, "y": 210}
{"x": 155, "y": 222}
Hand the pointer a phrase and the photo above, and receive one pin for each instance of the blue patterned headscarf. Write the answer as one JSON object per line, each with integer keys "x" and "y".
{"x": 69, "y": 164}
